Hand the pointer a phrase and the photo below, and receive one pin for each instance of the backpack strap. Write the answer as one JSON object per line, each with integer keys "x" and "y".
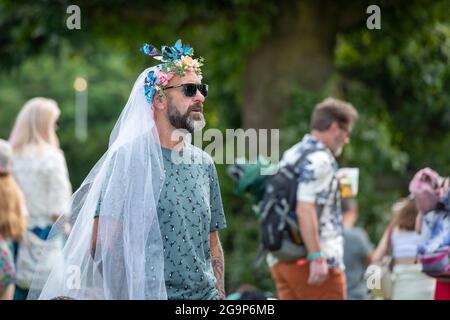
{"x": 303, "y": 157}
{"x": 295, "y": 165}
{"x": 296, "y": 172}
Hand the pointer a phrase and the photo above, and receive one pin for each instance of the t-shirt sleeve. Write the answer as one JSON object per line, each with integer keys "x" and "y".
{"x": 316, "y": 173}
{"x": 97, "y": 209}
{"x": 366, "y": 246}
{"x": 218, "y": 221}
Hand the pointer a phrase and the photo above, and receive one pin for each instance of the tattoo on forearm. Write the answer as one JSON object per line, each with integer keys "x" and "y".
{"x": 217, "y": 262}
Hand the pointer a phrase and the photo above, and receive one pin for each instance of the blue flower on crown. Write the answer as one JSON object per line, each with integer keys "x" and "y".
{"x": 150, "y": 83}
{"x": 176, "y": 52}
{"x": 168, "y": 53}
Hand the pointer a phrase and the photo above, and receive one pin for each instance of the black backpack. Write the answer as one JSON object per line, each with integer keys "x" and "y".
{"x": 279, "y": 229}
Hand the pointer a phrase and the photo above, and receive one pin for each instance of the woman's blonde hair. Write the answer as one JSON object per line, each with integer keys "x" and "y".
{"x": 12, "y": 209}
{"x": 35, "y": 124}
{"x": 5, "y": 157}
{"x": 405, "y": 214}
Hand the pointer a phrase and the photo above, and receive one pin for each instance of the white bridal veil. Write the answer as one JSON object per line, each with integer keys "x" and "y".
{"x": 123, "y": 190}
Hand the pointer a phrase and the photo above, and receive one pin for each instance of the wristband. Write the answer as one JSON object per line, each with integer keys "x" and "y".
{"x": 301, "y": 262}
{"x": 314, "y": 255}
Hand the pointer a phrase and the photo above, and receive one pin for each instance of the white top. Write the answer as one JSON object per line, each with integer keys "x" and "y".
{"x": 405, "y": 243}
{"x": 43, "y": 177}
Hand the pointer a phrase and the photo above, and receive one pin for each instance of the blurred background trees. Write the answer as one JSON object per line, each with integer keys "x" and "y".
{"x": 267, "y": 63}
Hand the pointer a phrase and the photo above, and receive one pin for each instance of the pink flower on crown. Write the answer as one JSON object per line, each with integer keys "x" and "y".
{"x": 163, "y": 78}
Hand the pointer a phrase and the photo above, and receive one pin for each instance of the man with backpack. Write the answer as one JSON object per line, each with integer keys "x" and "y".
{"x": 315, "y": 270}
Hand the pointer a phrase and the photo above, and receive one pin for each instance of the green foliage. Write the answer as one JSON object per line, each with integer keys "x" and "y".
{"x": 109, "y": 82}
{"x": 399, "y": 79}
{"x": 407, "y": 65}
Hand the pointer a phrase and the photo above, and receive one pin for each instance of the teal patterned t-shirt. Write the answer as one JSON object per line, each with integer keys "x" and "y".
{"x": 190, "y": 207}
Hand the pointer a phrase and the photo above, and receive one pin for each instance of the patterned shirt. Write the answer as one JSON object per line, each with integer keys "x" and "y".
{"x": 435, "y": 233}
{"x": 317, "y": 184}
{"x": 190, "y": 207}
{"x": 44, "y": 180}
{"x": 7, "y": 270}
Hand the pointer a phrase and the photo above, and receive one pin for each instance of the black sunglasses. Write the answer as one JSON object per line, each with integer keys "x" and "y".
{"x": 190, "y": 89}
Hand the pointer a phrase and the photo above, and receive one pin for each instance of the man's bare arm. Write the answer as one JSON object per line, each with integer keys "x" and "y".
{"x": 309, "y": 226}
{"x": 217, "y": 262}
{"x": 94, "y": 237}
{"x": 382, "y": 248}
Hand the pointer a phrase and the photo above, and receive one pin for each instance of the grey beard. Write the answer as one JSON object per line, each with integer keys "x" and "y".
{"x": 338, "y": 152}
{"x": 196, "y": 124}
{"x": 185, "y": 121}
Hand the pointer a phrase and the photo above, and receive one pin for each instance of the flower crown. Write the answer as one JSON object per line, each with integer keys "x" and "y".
{"x": 174, "y": 60}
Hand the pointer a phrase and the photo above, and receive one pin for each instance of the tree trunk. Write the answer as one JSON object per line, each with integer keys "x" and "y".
{"x": 298, "y": 53}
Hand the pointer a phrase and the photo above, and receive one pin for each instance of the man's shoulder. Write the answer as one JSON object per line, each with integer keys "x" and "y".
{"x": 320, "y": 163}
{"x": 355, "y": 232}
{"x": 357, "y": 236}
{"x": 316, "y": 150}
{"x": 320, "y": 156}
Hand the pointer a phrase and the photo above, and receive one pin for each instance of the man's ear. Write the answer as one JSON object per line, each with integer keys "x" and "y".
{"x": 159, "y": 102}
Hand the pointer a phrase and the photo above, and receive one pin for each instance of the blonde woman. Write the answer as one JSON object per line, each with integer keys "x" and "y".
{"x": 12, "y": 221}
{"x": 40, "y": 170}
{"x": 400, "y": 240}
